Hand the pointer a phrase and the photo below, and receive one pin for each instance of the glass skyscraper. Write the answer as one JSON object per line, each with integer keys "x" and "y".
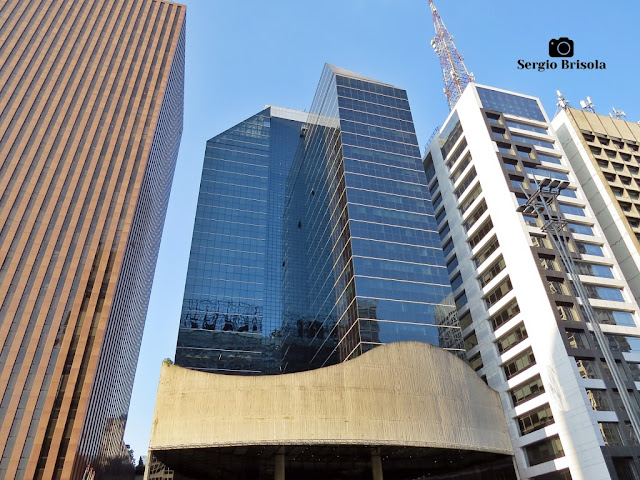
{"x": 231, "y": 314}
{"x": 363, "y": 262}
{"x": 315, "y": 237}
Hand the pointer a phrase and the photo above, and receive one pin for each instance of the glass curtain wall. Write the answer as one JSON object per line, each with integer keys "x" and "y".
{"x": 360, "y": 235}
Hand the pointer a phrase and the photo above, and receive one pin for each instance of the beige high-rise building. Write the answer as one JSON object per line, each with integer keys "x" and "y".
{"x": 91, "y": 98}
{"x": 604, "y": 152}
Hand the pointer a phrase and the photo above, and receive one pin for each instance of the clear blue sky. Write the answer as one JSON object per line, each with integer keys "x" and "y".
{"x": 242, "y": 55}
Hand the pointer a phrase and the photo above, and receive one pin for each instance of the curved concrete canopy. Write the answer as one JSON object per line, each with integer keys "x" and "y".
{"x": 404, "y": 394}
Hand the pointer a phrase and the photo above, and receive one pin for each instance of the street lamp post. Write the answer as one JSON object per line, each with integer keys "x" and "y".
{"x": 539, "y": 204}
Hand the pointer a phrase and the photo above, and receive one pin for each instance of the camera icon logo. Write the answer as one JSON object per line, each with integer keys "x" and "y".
{"x": 561, "y": 47}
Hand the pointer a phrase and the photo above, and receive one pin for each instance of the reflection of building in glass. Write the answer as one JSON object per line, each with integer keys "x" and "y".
{"x": 314, "y": 237}
{"x": 231, "y": 314}
{"x": 157, "y": 470}
{"x": 524, "y": 329}
{"x": 92, "y": 100}
{"x": 359, "y": 229}
{"x": 369, "y": 326}
{"x": 446, "y": 316}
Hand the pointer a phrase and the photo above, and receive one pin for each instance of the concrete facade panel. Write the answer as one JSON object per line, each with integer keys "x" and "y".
{"x": 391, "y": 395}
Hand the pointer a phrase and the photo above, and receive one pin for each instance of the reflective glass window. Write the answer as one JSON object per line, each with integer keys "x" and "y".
{"x": 482, "y": 232}
{"x": 579, "y": 228}
{"x": 590, "y": 249}
{"x": 604, "y": 293}
{"x": 497, "y": 293}
{"x": 456, "y": 281}
{"x": 535, "y": 419}
{"x": 544, "y": 172}
{"x": 587, "y": 368}
{"x": 477, "y": 213}
{"x": 461, "y": 167}
{"x": 452, "y": 264}
{"x": 594, "y": 270}
{"x": 610, "y": 433}
{"x": 511, "y": 338}
{"x": 492, "y": 272}
{"x": 519, "y": 363}
{"x": 466, "y": 203}
{"x": 599, "y": 400}
{"x": 527, "y": 390}
{"x": 571, "y": 209}
{"x": 505, "y": 314}
{"x": 451, "y": 161}
{"x": 510, "y": 103}
{"x": 486, "y": 251}
{"x": 544, "y": 451}
{"x": 614, "y": 317}
{"x": 468, "y": 180}
{"x": 444, "y": 231}
{"x": 621, "y": 343}
{"x": 526, "y": 126}
{"x": 461, "y": 300}
{"x": 532, "y": 141}
{"x": 448, "y": 247}
{"x": 465, "y": 320}
{"x": 451, "y": 139}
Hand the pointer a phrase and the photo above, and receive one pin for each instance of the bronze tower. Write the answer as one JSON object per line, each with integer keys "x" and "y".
{"x": 91, "y": 97}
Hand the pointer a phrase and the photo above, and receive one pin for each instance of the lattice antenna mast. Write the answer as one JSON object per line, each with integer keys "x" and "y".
{"x": 454, "y": 72}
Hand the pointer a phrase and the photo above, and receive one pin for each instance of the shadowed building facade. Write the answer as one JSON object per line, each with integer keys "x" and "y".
{"x": 90, "y": 123}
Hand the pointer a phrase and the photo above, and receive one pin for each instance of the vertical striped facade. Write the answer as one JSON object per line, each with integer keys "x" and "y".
{"x": 91, "y": 97}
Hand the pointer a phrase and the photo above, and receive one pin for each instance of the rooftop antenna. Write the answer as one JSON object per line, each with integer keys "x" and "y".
{"x": 562, "y": 102}
{"x": 454, "y": 72}
{"x": 588, "y": 105}
{"x": 617, "y": 113}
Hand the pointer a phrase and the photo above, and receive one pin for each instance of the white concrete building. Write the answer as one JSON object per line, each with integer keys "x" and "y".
{"x": 525, "y": 330}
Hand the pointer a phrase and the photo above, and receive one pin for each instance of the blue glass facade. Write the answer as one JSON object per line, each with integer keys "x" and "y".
{"x": 232, "y": 302}
{"x": 315, "y": 238}
{"x": 509, "y": 103}
{"x": 363, "y": 262}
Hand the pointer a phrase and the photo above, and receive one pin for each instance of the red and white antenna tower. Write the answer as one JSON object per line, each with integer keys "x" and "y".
{"x": 454, "y": 72}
